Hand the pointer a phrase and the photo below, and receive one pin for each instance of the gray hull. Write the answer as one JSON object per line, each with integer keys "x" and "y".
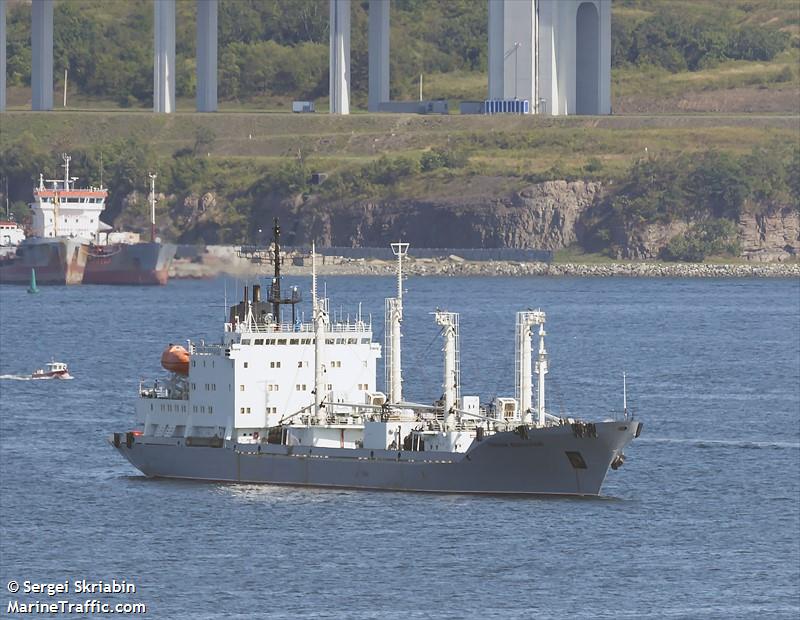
{"x": 544, "y": 462}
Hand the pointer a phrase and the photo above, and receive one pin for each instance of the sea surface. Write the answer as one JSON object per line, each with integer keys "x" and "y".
{"x": 703, "y": 521}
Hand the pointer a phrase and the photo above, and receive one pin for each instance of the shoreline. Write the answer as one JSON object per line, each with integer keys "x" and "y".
{"x": 457, "y": 267}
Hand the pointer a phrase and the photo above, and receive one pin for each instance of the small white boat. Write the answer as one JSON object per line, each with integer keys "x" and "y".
{"x": 52, "y": 370}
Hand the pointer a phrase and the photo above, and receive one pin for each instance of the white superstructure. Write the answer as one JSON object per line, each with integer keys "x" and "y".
{"x": 262, "y": 372}
{"x": 60, "y": 209}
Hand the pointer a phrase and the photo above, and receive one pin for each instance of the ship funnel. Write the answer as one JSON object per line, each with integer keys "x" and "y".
{"x": 256, "y": 293}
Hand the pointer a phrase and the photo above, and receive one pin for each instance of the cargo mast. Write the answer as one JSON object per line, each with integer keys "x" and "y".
{"x": 394, "y": 319}
{"x": 319, "y": 309}
{"x": 525, "y": 323}
{"x": 152, "y": 207}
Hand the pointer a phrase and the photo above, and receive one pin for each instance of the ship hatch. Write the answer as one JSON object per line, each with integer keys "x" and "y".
{"x": 576, "y": 460}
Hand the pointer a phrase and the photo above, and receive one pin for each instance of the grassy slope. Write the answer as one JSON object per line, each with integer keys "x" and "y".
{"x": 762, "y": 79}
{"x": 500, "y": 146}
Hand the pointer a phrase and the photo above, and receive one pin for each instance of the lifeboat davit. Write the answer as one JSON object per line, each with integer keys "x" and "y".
{"x": 176, "y": 359}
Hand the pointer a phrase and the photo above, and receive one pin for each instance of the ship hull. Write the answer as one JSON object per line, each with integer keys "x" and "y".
{"x": 56, "y": 261}
{"x": 135, "y": 263}
{"x": 503, "y": 463}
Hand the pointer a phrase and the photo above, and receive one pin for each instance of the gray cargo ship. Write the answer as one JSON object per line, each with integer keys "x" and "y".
{"x": 296, "y": 403}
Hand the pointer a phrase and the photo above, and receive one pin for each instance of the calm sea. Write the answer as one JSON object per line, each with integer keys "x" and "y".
{"x": 702, "y": 521}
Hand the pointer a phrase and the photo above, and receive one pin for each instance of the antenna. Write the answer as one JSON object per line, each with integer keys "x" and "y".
{"x": 275, "y": 292}
{"x": 624, "y": 396}
{"x": 314, "y": 278}
{"x": 101, "y": 169}
{"x": 65, "y": 165}
{"x": 152, "y": 206}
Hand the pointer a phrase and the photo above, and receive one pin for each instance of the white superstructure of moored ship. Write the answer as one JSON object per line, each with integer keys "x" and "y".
{"x": 297, "y": 403}
{"x": 60, "y": 209}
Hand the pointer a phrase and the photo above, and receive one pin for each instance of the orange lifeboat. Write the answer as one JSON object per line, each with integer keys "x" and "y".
{"x": 176, "y": 359}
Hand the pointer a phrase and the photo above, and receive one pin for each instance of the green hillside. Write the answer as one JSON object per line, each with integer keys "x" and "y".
{"x": 273, "y": 51}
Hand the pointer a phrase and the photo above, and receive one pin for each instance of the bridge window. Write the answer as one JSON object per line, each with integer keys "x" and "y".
{"x": 258, "y": 341}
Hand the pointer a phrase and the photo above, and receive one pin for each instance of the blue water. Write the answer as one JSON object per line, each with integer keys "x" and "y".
{"x": 702, "y": 521}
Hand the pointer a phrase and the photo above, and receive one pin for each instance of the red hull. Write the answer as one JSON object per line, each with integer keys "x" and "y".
{"x": 137, "y": 263}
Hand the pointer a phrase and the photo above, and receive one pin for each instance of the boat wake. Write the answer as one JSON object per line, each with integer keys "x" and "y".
{"x": 723, "y": 443}
{"x": 29, "y": 378}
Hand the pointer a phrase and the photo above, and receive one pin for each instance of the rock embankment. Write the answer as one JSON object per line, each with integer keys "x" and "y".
{"x": 220, "y": 262}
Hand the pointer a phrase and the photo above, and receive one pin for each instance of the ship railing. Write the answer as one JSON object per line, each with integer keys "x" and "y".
{"x": 289, "y": 328}
{"x": 207, "y": 349}
{"x": 158, "y": 389}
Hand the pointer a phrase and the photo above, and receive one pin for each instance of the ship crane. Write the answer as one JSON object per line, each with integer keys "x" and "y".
{"x": 394, "y": 319}
{"x": 452, "y": 380}
{"x": 320, "y": 312}
{"x": 526, "y": 321}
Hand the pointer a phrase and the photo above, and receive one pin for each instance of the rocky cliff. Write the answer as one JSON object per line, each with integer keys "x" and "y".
{"x": 770, "y": 236}
{"x": 551, "y": 215}
{"x": 544, "y": 216}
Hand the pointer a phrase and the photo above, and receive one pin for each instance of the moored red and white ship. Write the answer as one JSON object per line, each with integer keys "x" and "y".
{"x": 70, "y": 244}
{"x": 123, "y": 258}
{"x": 64, "y": 220}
